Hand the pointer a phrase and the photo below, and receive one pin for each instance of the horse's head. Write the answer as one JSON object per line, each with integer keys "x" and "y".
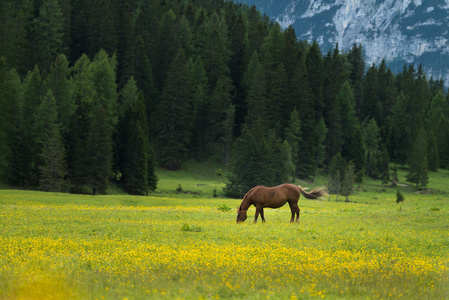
{"x": 241, "y": 215}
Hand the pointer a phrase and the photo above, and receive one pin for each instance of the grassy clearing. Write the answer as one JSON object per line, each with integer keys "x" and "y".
{"x": 182, "y": 245}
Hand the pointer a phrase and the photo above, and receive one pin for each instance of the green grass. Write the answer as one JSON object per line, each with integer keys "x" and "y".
{"x": 181, "y": 245}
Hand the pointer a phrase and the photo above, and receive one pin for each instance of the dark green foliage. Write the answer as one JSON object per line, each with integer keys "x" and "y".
{"x": 49, "y": 32}
{"x": 348, "y": 181}
{"x": 372, "y": 152}
{"x": 9, "y": 112}
{"x": 175, "y": 114}
{"x": 418, "y": 163}
{"x": 293, "y": 137}
{"x": 204, "y": 68}
{"x": 53, "y": 168}
{"x": 99, "y": 152}
{"x": 258, "y": 158}
{"x": 399, "y": 197}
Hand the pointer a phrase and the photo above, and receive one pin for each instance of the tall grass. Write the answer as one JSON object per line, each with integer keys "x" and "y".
{"x": 65, "y": 246}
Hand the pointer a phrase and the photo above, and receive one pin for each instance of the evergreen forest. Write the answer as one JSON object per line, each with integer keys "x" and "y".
{"x": 94, "y": 91}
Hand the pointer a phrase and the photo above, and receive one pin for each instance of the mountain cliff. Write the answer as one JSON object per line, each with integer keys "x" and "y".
{"x": 399, "y": 31}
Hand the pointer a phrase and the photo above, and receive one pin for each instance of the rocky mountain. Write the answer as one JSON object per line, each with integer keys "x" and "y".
{"x": 399, "y": 31}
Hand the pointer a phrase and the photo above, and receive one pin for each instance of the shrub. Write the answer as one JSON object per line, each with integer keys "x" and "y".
{"x": 223, "y": 208}
{"x": 399, "y": 197}
{"x": 193, "y": 228}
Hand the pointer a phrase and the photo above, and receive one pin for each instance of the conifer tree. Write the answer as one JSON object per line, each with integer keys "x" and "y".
{"x": 346, "y": 103}
{"x": 321, "y": 132}
{"x": 137, "y": 158}
{"x": 215, "y": 48}
{"x": 84, "y": 95}
{"x": 371, "y": 138}
{"x": 310, "y": 134}
{"x": 175, "y": 122}
{"x": 293, "y": 137}
{"x": 46, "y": 121}
{"x": 221, "y": 100}
{"x": 16, "y": 24}
{"x": 432, "y": 152}
{"x": 49, "y": 33}
{"x": 60, "y": 83}
{"x": 258, "y": 158}
{"x": 30, "y": 151}
{"x": 99, "y": 152}
{"x": 400, "y": 131}
{"x": 278, "y": 108}
{"x": 314, "y": 66}
{"x": 240, "y": 55}
{"x": 101, "y": 31}
{"x": 348, "y": 181}
{"x": 103, "y": 77}
{"x": 356, "y": 150}
{"x": 256, "y": 99}
{"x": 369, "y": 105}
{"x": 53, "y": 167}
{"x": 418, "y": 163}
{"x": 9, "y": 112}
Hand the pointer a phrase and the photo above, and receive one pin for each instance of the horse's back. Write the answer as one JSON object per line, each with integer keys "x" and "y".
{"x": 274, "y": 197}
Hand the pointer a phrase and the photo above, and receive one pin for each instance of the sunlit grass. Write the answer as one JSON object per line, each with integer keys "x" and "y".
{"x": 114, "y": 247}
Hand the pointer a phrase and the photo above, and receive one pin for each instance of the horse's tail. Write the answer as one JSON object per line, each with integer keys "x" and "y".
{"x": 313, "y": 194}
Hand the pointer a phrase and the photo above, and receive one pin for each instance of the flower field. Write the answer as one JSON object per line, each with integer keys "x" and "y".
{"x": 60, "y": 246}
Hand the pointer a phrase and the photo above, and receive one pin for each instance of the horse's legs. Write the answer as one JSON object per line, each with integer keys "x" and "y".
{"x": 262, "y": 215}
{"x": 295, "y": 211}
{"x": 257, "y": 213}
{"x": 259, "y": 210}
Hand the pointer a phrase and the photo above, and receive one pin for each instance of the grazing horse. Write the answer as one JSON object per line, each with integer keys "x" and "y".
{"x": 275, "y": 197}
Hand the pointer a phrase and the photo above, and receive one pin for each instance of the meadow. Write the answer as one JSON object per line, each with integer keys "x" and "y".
{"x": 186, "y": 244}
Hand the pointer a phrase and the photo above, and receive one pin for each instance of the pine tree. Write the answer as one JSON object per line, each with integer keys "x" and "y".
{"x": 371, "y": 138}
{"x": 346, "y": 103}
{"x": 102, "y": 32}
{"x": 418, "y": 163}
{"x": 215, "y": 48}
{"x": 314, "y": 66}
{"x": 99, "y": 152}
{"x": 49, "y": 33}
{"x": 84, "y": 95}
{"x": 348, "y": 181}
{"x": 175, "y": 122}
{"x": 400, "y": 131}
{"x": 321, "y": 132}
{"x": 53, "y": 168}
{"x": 103, "y": 77}
{"x": 137, "y": 163}
{"x": 221, "y": 100}
{"x": 277, "y": 101}
{"x": 310, "y": 134}
{"x": 334, "y": 184}
{"x": 356, "y": 150}
{"x": 30, "y": 150}
{"x": 61, "y": 85}
{"x": 46, "y": 121}
{"x": 9, "y": 112}
{"x": 258, "y": 158}
{"x": 293, "y": 137}
{"x": 256, "y": 99}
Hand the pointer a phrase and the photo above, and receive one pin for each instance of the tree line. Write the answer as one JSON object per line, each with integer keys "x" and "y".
{"x": 93, "y": 91}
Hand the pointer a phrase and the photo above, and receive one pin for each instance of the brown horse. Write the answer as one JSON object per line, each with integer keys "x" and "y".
{"x": 275, "y": 197}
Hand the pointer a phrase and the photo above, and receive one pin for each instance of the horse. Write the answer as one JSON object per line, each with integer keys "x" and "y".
{"x": 275, "y": 197}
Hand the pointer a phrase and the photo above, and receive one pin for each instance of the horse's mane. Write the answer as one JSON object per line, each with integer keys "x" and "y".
{"x": 246, "y": 196}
